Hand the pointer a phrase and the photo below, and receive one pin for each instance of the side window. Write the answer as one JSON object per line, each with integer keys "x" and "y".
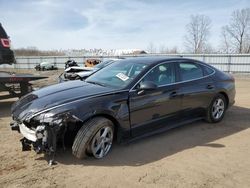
{"x": 161, "y": 75}
{"x": 189, "y": 71}
{"x": 207, "y": 70}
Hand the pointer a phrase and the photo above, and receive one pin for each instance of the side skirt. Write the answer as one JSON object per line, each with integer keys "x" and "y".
{"x": 164, "y": 129}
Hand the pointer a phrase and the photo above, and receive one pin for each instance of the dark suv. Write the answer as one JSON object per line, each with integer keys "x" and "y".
{"x": 6, "y": 54}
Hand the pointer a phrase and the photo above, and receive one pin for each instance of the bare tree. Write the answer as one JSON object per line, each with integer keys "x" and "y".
{"x": 237, "y": 33}
{"x": 173, "y": 50}
{"x": 197, "y": 33}
{"x": 208, "y": 49}
{"x": 225, "y": 44}
{"x": 151, "y": 48}
{"x": 247, "y": 45}
{"x": 162, "y": 49}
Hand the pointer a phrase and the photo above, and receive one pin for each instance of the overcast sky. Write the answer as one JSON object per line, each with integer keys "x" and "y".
{"x": 109, "y": 24}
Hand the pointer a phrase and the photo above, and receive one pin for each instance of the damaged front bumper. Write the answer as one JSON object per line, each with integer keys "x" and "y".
{"x": 42, "y": 139}
{"x": 37, "y": 137}
{"x": 43, "y": 132}
{"x": 28, "y": 133}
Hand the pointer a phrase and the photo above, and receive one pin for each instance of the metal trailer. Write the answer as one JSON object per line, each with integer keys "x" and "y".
{"x": 16, "y": 85}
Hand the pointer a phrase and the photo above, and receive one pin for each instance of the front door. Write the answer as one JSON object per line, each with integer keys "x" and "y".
{"x": 150, "y": 109}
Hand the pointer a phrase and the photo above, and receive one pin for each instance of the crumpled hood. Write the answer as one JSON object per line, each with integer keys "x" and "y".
{"x": 54, "y": 95}
{"x": 75, "y": 68}
{"x": 83, "y": 74}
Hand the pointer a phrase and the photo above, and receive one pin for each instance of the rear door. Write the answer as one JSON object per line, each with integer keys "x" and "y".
{"x": 196, "y": 86}
{"x": 155, "y": 109}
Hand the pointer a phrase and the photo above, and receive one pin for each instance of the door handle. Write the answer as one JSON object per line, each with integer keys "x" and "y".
{"x": 173, "y": 94}
{"x": 209, "y": 86}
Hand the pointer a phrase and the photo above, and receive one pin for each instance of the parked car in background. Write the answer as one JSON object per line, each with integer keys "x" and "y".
{"x": 6, "y": 54}
{"x": 77, "y": 72}
{"x": 45, "y": 66}
{"x": 126, "y": 100}
{"x": 92, "y": 62}
{"x": 71, "y": 63}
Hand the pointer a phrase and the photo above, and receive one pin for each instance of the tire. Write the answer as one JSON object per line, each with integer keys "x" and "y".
{"x": 85, "y": 139}
{"x": 216, "y": 109}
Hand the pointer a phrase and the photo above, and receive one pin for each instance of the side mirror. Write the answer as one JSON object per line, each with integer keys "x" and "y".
{"x": 146, "y": 86}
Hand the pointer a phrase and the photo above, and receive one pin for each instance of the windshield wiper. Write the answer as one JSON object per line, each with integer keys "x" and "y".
{"x": 96, "y": 83}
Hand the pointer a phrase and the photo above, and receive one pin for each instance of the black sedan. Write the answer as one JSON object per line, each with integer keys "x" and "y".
{"x": 128, "y": 99}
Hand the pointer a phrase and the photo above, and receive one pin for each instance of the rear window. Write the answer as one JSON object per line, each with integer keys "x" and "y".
{"x": 2, "y": 32}
{"x": 207, "y": 70}
{"x": 190, "y": 71}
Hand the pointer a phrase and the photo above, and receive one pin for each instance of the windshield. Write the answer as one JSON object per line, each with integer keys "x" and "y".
{"x": 103, "y": 64}
{"x": 117, "y": 75}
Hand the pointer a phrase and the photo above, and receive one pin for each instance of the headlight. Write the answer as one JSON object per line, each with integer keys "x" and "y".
{"x": 52, "y": 119}
{"x": 40, "y": 131}
{"x": 47, "y": 118}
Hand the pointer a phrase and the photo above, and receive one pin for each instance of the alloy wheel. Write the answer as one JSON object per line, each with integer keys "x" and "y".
{"x": 218, "y": 108}
{"x": 102, "y": 142}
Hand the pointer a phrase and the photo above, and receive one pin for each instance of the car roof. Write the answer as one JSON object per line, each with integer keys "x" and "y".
{"x": 152, "y": 59}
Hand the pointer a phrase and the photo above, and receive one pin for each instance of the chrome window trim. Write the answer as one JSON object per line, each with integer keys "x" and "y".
{"x": 179, "y": 61}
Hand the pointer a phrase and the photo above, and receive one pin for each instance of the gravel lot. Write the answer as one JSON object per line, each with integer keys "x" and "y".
{"x": 195, "y": 155}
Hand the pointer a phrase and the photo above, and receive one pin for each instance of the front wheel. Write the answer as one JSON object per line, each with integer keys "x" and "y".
{"x": 217, "y": 109}
{"x": 95, "y": 137}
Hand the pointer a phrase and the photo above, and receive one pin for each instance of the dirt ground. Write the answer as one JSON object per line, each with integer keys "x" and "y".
{"x": 195, "y": 155}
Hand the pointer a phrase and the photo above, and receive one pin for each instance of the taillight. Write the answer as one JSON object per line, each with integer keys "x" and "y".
{"x": 5, "y": 43}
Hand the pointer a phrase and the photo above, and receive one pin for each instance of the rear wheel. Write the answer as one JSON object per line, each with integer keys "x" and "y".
{"x": 216, "y": 110}
{"x": 95, "y": 137}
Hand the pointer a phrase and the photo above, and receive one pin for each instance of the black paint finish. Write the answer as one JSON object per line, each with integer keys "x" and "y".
{"x": 133, "y": 111}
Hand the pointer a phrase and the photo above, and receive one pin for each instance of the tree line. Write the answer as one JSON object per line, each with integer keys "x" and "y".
{"x": 34, "y": 51}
